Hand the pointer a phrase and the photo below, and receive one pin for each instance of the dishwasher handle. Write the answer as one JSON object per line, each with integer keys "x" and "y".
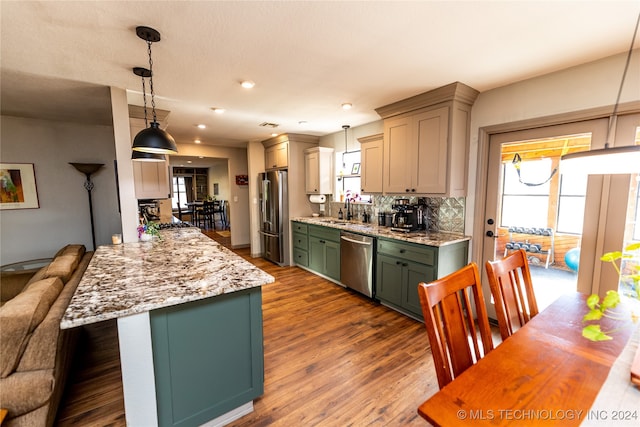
{"x": 357, "y": 242}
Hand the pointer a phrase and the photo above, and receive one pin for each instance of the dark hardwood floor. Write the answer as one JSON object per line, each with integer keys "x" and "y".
{"x": 332, "y": 358}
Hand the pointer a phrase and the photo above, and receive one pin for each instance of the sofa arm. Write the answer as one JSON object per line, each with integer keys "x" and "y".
{"x": 22, "y": 392}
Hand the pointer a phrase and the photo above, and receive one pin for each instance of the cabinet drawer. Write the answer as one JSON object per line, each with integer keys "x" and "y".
{"x": 299, "y": 227}
{"x": 301, "y": 257}
{"x": 325, "y": 233}
{"x": 417, "y": 253}
{"x": 301, "y": 241}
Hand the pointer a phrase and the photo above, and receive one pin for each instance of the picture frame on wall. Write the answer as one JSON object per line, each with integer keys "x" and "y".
{"x": 18, "y": 186}
{"x": 355, "y": 170}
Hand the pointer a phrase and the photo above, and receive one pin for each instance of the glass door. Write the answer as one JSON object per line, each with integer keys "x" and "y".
{"x": 531, "y": 205}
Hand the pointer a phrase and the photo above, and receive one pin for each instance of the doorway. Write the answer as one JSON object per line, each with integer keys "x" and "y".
{"x": 531, "y": 205}
{"x": 560, "y": 220}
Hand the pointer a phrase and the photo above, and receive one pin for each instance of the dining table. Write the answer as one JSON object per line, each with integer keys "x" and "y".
{"x": 548, "y": 374}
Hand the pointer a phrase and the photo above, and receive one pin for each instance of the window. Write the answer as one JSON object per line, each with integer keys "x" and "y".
{"x": 179, "y": 193}
{"x": 573, "y": 191}
{"x": 526, "y": 205}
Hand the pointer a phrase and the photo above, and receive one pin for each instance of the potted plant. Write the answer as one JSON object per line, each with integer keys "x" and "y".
{"x": 147, "y": 230}
{"x": 628, "y": 286}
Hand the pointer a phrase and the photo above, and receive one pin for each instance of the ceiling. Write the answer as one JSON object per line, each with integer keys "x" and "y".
{"x": 306, "y": 57}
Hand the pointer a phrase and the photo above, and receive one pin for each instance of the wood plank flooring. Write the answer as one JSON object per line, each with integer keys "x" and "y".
{"x": 332, "y": 358}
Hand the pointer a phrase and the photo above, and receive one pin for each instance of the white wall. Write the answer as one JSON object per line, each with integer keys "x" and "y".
{"x": 336, "y": 140}
{"x": 590, "y": 85}
{"x": 238, "y": 194}
{"x": 219, "y": 174}
{"x": 63, "y": 216}
{"x": 255, "y": 156}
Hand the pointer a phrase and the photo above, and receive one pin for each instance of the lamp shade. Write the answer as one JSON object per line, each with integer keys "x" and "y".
{"x": 140, "y": 156}
{"x": 154, "y": 140}
{"x": 602, "y": 161}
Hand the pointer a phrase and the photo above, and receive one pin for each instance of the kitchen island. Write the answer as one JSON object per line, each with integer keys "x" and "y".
{"x": 189, "y": 321}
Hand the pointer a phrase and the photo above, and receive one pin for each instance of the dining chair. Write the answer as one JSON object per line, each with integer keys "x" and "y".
{"x": 512, "y": 290}
{"x": 208, "y": 210}
{"x": 457, "y": 338}
{"x": 219, "y": 209}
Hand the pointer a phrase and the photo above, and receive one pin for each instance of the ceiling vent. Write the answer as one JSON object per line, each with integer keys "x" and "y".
{"x": 269, "y": 125}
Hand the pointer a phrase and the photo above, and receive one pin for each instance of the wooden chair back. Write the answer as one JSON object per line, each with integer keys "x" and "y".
{"x": 458, "y": 340}
{"x": 512, "y": 290}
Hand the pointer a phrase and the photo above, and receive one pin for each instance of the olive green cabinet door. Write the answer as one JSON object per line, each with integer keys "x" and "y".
{"x": 413, "y": 274}
{"x": 316, "y": 254}
{"x": 332, "y": 259}
{"x": 389, "y": 279}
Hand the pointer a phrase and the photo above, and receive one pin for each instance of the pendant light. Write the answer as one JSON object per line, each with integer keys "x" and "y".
{"x": 141, "y": 156}
{"x": 152, "y": 139}
{"x": 607, "y": 160}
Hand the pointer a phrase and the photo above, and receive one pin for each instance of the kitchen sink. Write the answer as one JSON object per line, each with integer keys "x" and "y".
{"x": 333, "y": 221}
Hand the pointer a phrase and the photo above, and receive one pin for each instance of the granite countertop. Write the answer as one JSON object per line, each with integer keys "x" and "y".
{"x": 372, "y": 229}
{"x": 137, "y": 277}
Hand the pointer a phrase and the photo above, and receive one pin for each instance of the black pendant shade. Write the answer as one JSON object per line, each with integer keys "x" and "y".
{"x": 140, "y": 156}
{"x": 154, "y": 140}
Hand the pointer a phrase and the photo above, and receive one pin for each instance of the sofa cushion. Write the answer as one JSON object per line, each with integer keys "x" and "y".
{"x": 76, "y": 250}
{"x": 25, "y": 391}
{"x": 63, "y": 267}
{"x": 20, "y": 316}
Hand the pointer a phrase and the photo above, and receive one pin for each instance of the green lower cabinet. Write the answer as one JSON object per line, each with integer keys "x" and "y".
{"x": 324, "y": 251}
{"x": 389, "y": 279}
{"x": 324, "y": 257}
{"x": 400, "y": 267}
{"x": 208, "y": 357}
{"x": 397, "y": 282}
{"x": 415, "y": 273}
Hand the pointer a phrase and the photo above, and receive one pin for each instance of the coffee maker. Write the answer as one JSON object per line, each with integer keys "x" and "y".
{"x": 405, "y": 218}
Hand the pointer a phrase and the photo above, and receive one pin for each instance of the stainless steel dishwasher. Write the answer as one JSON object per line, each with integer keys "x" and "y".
{"x": 356, "y": 262}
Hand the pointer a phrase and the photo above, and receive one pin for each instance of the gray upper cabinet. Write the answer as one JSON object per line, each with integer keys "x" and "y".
{"x": 371, "y": 159}
{"x": 277, "y": 156}
{"x": 426, "y": 140}
{"x": 318, "y": 165}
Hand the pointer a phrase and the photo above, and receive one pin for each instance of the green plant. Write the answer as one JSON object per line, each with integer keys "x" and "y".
{"x": 629, "y": 283}
{"x": 149, "y": 227}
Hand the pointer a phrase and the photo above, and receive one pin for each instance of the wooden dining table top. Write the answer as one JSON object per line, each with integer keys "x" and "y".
{"x": 544, "y": 374}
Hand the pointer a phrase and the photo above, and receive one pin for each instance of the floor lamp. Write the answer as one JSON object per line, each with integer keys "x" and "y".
{"x": 88, "y": 169}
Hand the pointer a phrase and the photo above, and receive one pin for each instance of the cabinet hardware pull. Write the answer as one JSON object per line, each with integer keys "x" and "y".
{"x": 322, "y": 241}
{"x": 404, "y": 264}
{"x": 398, "y": 263}
{"x": 402, "y": 251}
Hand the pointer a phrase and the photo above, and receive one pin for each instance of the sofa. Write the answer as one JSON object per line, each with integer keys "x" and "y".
{"x": 35, "y": 354}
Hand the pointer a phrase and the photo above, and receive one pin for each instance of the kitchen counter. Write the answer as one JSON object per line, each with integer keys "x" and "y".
{"x": 189, "y": 317}
{"x": 371, "y": 229}
{"x": 137, "y": 277}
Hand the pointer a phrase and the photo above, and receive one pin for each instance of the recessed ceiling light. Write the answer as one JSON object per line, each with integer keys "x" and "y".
{"x": 201, "y": 126}
{"x": 189, "y": 161}
{"x": 197, "y": 141}
{"x": 201, "y": 157}
{"x": 218, "y": 110}
{"x": 274, "y": 134}
{"x": 247, "y": 84}
{"x": 347, "y": 106}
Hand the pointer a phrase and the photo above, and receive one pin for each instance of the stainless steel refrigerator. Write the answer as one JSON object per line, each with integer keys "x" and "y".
{"x": 274, "y": 214}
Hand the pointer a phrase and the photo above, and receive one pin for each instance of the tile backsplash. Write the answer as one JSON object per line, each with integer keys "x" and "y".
{"x": 445, "y": 213}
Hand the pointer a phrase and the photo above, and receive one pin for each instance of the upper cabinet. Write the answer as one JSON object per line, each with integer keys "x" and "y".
{"x": 426, "y": 140}
{"x": 276, "y": 156}
{"x": 371, "y": 161}
{"x": 151, "y": 180}
{"x": 318, "y": 164}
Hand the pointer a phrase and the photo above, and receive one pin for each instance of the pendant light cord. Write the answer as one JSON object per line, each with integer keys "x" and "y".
{"x": 144, "y": 100}
{"x": 624, "y": 76}
{"x": 153, "y": 101}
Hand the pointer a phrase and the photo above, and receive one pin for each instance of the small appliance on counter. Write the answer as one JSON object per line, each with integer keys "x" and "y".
{"x": 149, "y": 208}
{"x": 406, "y": 217}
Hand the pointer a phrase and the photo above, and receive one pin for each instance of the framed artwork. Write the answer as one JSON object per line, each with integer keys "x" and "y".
{"x": 242, "y": 180}
{"x": 355, "y": 170}
{"x": 18, "y": 186}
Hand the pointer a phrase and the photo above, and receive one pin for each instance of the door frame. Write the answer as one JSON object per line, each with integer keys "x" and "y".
{"x": 591, "y": 277}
